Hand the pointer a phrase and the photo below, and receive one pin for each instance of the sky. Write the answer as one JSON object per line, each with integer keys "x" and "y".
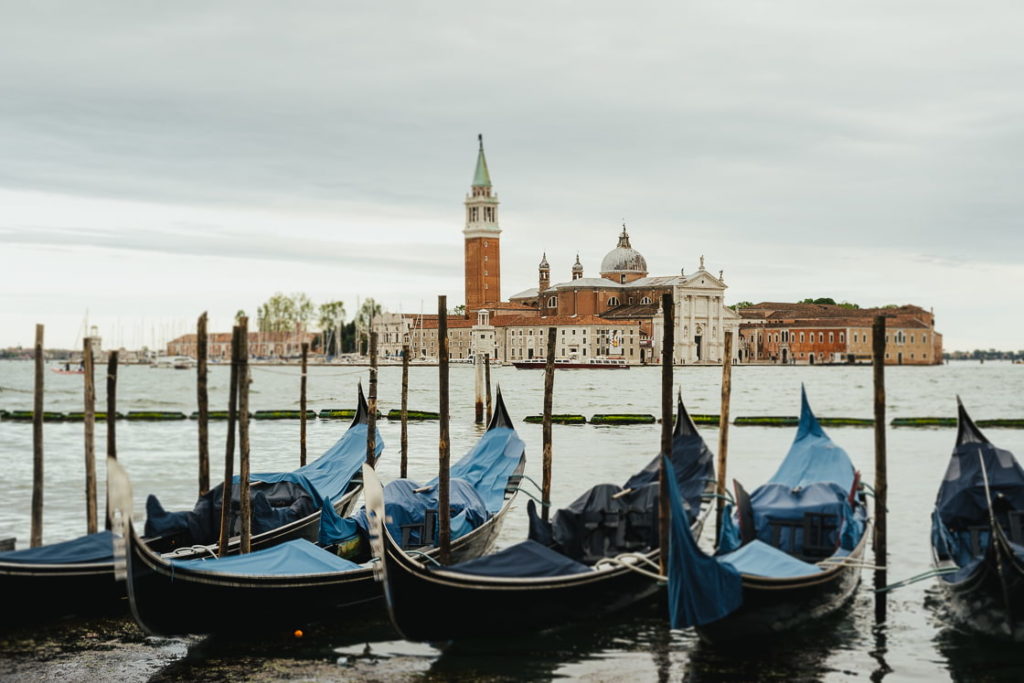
{"x": 158, "y": 160}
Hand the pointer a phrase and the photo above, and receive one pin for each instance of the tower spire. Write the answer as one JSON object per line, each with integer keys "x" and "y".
{"x": 481, "y": 177}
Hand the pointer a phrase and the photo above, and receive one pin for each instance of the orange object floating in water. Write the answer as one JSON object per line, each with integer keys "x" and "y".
{"x": 298, "y": 633}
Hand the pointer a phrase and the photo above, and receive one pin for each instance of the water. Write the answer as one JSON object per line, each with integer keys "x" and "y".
{"x": 161, "y": 458}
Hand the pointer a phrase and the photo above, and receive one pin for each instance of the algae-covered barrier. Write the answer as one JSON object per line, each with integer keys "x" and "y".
{"x": 557, "y": 419}
{"x": 414, "y": 415}
{"x": 26, "y": 416}
{"x": 767, "y": 421}
{"x": 79, "y": 416}
{"x": 282, "y": 415}
{"x": 923, "y": 422}
{"x": 155, "y": 415}
{"x": 622, "y": 419}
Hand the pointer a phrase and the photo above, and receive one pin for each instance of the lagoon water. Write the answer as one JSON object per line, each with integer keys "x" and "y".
{"x": 915, "y": 643}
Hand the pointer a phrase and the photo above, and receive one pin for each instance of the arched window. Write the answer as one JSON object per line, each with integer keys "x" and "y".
{"x": 613, "y": 301}
{"x": 553, "y": 302}
{"x": 821, "y": 337}
{"x": 646, "y": 300}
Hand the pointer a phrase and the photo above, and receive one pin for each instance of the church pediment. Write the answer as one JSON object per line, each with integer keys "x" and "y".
{"x": 703, "y": 280}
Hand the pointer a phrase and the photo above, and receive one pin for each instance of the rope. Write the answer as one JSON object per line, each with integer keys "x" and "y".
{"x": 918, "y": 577}
{"x": 423, "y": 555}
{"x": 619, "y": 561}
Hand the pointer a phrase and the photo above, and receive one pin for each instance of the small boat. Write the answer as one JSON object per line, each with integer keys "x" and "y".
{"x": 790, "y": 554}
{"x": 299, "y": 582}
{"x": 603, "y": 363}
{"x": 978, "y": 535}
{"x": 598, "y": 556}
{"x": 78, "y": 576}
{"x": 174, "y": 362}
{"x": 68, "y": 369}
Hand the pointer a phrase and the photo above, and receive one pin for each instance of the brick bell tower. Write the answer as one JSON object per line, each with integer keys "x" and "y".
{"x": 483, "y": 254}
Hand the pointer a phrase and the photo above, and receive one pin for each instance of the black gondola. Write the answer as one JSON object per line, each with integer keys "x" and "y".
{"x": 77, "y": 576}
{"x": 298, "y": 582}
{"x": 978, "y": 535}
{"x": 532, "y": 585}
{"x": 792, "y": 553}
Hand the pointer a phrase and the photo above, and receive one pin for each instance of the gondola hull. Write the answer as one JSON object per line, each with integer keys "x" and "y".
{"x": 977, "y": 602}
{"x": 772, "y": 606}
{"x": 83, "y": 589}
{"x": 428, "y": 605}
{"x": 173, "y": 600}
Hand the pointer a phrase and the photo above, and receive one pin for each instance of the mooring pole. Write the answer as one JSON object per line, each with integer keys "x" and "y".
{"x": 36, "y": 535}
{"x": 881, "y": 477}
{"x": 111, "y": 421}
{"x": 444, "y": 448}
{"x": 302, "y": 405}
{"x": 89, "y": 421}
{"x": 478, "y": 388}
{"x": 549, "y": 392}
{"x": 371, "y": 425}
{"x": 229, "y": 449}
{"x": 203, "y": 401}
{"x": 404, "y": 464}
{"x": 668, "y": 345}
{"x": 245, "y": 503}
{"x": 723, "y": 432}
{"x": 487, "y": 386}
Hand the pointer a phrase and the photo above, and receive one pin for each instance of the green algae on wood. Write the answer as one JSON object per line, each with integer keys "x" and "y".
{"x": 282, "y": 414}
{"x": 622, "y": 419}
{"x": 395, "y": 414}
{"x": 155, "y": 415}
{"x": 557, "y": 419}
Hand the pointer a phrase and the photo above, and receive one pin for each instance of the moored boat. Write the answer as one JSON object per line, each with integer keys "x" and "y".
{"x": 790, "y": 554}
{"x": 603, "y": 363}
{"x": 978, "y": 535}
{"x": 298, "y": 582}
{"x": 598, "y": 556}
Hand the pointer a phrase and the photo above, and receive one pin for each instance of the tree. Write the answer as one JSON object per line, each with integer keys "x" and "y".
{"x": 283, "y": 313}
{"x": 820, "y": 300}
{"x": 364, "y": 320}
{"x": 742, "y": 304}
{"x": 239, "y": 315}
{"x": 459, "y": 310}
{"x": 332, "y": 317}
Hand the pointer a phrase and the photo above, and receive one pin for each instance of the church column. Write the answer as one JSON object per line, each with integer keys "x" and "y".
{"x": 693, "y": 329}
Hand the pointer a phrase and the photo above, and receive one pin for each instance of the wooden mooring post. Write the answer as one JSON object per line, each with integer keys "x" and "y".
{"x": 89, "y": 422}
{"x": 487, "y": 387}
{"x": 403, "y": 467}
{"x": 478, "y": 388}
{"x": 112, "y": 359}
{"x": 444, "y": 447}
{"x": 723, "y": 433}
{"x": 36, "y": 533}
{"x": 245, "y": 503}
{"x": 881, "y": 476}
{"x": 229, "y": 449}
{"x": 203, "y": 404}
{"x": 668, "y": 346}
{"x": 371, "y": 425}
{"x": 549, "y": 391}
{"x": 302, "y": 405}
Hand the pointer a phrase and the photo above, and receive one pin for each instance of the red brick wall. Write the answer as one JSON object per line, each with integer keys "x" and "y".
{"x": 483, "y": 272}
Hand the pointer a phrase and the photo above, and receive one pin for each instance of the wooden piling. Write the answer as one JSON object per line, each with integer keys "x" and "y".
{"x": 245, "y": 503}
{"x": 89, "y": 422}
{"x": 371, "y": 425}
{"x": 668, "y": 345}
{"x": 487, "y": 387}
{"x": 478, "y": 388}
{"x": 404, "y": 464}
{"x": 229, "y": 449}
{"x": 549, "y": 392}
{"x": 36, "y": 534}
{"x": 203, "y": 401}
{"x": 881, "y": 478}
{"x": 444, "y": 448}
{"x": 112, "y": 359}
{"x": 723, "y": 432}
{"x": 302, "y": 405}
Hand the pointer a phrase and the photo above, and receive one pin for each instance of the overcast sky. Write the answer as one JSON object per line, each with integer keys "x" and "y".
{"x": 161, "y": 159}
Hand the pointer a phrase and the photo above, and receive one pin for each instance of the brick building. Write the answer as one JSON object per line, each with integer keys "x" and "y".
{"x": 270, "y": 345}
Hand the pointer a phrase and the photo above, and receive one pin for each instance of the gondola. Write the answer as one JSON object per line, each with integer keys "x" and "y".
{"x": 77, "y": 576}
{"x": 790, "y": 553}
{"x": 286, "y": 505}
{"x": 298, "y": 582}
{"x": 582, "y": 566}
{"x": 978, "y": 535}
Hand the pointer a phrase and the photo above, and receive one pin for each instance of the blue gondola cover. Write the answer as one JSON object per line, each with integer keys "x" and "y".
{"x": 760, "y": 559}
{"x": 700, "y": 589}
{"x": 96, "y": 547}
{"x": 294, "y": 557}
{"x": 526, "y": 559}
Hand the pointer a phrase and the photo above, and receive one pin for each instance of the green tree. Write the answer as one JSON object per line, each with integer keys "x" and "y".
{"x": 239, "y": 315}
{"x": 364, "y": 322}
{"x": 332, "y": 317}
{"x": 742, "y": 304}
{"x": 820, "y": 300}
{"x": 459, "y": 310}
{"x": 283, "y": 313}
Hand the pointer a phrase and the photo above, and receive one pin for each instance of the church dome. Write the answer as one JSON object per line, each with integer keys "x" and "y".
{"x": 623, "y": 258}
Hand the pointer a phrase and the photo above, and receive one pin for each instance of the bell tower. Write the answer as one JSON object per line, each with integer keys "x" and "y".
{"x": 483, "y": 254}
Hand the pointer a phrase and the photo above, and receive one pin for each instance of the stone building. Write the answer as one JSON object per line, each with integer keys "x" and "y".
{"x": 262, "y": 345}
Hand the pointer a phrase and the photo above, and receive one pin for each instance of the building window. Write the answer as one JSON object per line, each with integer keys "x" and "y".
{"x": 801, "y": 337}
{"x": 646, "y": 300}
{"x": 821, "y": 337}
{"x": 924, "y": 338}
{"x": 842, "y": 337}
{"x": 613, "y": 301}
{"x": 552, "y": 303}
{"x": 831, "y": 337}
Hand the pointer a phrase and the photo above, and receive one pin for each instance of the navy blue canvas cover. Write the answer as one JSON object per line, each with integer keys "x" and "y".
{"x": 700, "y": 588}
{"x": 291, "y": 558}
{"x": 406, "y": 504}
{"x": 961, "y": 521}
{"x": 90, "y": 548}
{"x": 609, "y": 519}
{"x": 526, "y": 559}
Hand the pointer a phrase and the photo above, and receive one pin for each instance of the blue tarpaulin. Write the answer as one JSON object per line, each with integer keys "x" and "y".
{"x": 96, "y": 547}
{"x": 291, "y": 558}
{"x": 489, "y": 464}
{"x": 700, "y": 589}
{"x": 760, "y": 559}
{"x": 813, "y": 457}
{"x": 526, "y": 559}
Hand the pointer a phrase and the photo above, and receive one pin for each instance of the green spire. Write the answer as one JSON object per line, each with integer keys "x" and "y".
{"x": 482, "y": 178}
